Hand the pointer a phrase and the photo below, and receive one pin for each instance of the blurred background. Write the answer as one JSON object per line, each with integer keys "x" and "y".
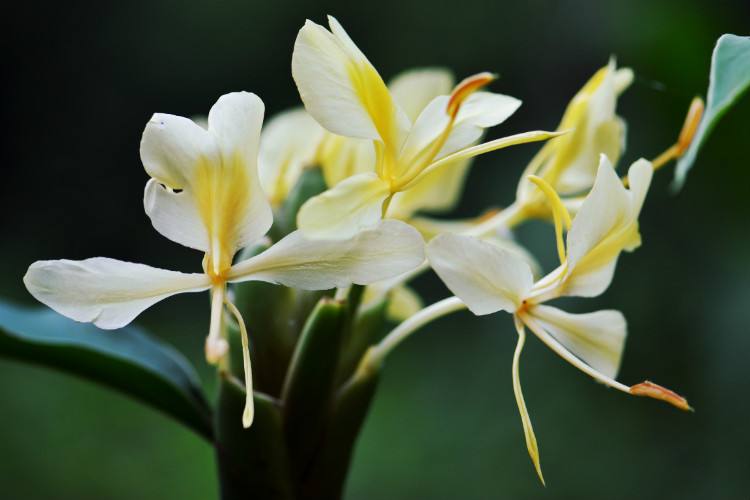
{"x": 82, "y": 79}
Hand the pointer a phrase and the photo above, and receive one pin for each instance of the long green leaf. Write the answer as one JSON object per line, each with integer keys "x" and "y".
{"x": 128, "y": 360}
{"x": 730, "y": 77}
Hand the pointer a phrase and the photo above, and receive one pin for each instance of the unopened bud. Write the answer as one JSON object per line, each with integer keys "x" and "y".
{"x": 465, "y": 88}
{"x": 652, "y": 390}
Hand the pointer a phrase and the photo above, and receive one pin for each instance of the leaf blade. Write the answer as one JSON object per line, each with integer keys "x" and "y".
{"x": 128, "y": 360}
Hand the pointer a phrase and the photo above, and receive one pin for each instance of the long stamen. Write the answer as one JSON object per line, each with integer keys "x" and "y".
{"x": 216, "y": 345}
{"x": 528, "y": 430}
{"x": 249, "y": 413}
{"x": 559, "y": 213}
{"x": 377, "y": 354}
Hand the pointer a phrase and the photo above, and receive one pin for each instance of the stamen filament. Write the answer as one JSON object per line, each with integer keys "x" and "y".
{"x": 559, "y": 213}
{"x": 249, "y": 413}
{"x": 506, "y": 218}
{"x": 528, "y": 430}
{"x": 377, "y": 354}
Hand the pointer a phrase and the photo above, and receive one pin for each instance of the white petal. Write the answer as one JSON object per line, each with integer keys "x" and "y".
{"x": 485, "y": 277}
{"x": 288, "y": 143}
{"x": 107, "y": 292}
{"x": 639, "y": 176}
{"x": 173, "y": 146}
{"x": 350, "y": 206}
{"x": 235, "y": 121}
{"x": 341, "y": 89}
{"x": 414, "y": 89}
{"x": 605, "y": 210}
{"x": 389, "y": 249}
{"x": 597, "y": 338}
{"x": 175, "y": 215}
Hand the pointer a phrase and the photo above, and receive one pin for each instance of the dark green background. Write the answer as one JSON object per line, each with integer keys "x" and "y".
{"x": 81, "y": 79}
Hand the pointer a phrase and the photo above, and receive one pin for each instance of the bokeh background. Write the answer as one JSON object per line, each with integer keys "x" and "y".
{"x": 82, "y": 78}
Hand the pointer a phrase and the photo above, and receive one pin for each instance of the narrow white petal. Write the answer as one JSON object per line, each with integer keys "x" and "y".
{"x": 339, "y": 213}
{"x": 175, "y": 215}
{"x": 107, "y": 292}
{"x": 389, "y": 249}
{"x": 597, "y": 338}
{"x": 485, "y": 277}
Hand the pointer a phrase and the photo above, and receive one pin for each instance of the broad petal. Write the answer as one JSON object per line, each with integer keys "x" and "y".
{"x": 388, "y": 250}
{"x": 175, "y": 215}
{"x": 288, "y": 143}
{"x": 350, "y": 206}
{"x": 235, "y": 122}
{"x": 341, "y": 89}
{"x": 485, "y": 277}
{"x": 173, "y": 146}
{"x": 597, "y": 338}
{"x": 107, "y": 292}
{"x": 414, "y": 89}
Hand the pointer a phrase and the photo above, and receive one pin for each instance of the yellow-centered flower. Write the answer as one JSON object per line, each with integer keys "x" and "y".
{"x": 489, "y": 279}
{"x": 204, "y": 193}
{"x": 344, "y": 92}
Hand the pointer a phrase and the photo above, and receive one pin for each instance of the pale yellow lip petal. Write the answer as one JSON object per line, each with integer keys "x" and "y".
{"x": 389, "y": 249}
{"x": 231, "y": 198}
{"x": 484, "y": 276}
{"x": 107, "y": 292}
{"x": 171, "y": 148}
{"x": 339, "y": 213}
{"x": 528, "y": 430}
{"x": 175, "y": 215}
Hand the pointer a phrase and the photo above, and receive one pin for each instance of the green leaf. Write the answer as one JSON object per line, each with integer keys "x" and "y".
{"x": 730, "y": 77}
{"x": 252, "y": 462}
{"x": 128, "y": 360}
{"x": 309, "y": 387}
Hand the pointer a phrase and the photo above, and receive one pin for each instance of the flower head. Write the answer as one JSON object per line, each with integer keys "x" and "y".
{"x": 343, "y": 91}
{"x": 490, "y": 279}
{"x": 204, "y": 193}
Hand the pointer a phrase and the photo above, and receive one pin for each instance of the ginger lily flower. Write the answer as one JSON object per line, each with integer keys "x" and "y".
{"x": 204, "y": 193}
{"x": 345, "y": 94}
{"x": 488, "y": 279}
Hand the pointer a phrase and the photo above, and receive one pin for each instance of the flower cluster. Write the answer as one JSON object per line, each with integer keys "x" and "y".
{"x": 388, "y": 154}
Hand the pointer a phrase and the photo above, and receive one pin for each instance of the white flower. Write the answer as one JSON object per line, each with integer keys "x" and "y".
{"x": 204, "y": 193}
{"x": 490, "y": 279}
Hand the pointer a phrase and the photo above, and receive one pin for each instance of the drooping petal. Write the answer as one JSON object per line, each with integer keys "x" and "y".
{"x": 173, "y": 146}
{"x": 343, "y": 157}
{"x": 389, "y": 249}
{"x": 107, "y": 292}
{"x": 341, "y": 89}
{"x": 414, "y": 89}
{"x": 597, "y": 338}
{"x": 606, "y": 224}
{"x": 404, "y": 303}
{"x": 288, "y": 143}
{"x": 485, "y": 277}
{"x": 234, "y": 193}
{"x": 339, "y": 213}
{"x": 175, "y": 215}
{"x": 528, "y": 429}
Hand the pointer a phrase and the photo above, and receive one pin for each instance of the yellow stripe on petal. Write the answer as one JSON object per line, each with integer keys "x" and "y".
{"x": 528, "y": 430}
